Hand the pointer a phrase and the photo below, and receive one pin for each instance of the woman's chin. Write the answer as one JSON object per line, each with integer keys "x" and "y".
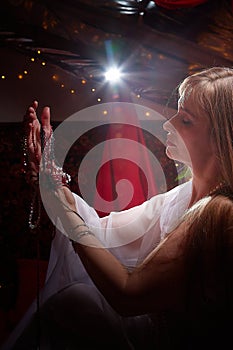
{"x": 171, "y": 154}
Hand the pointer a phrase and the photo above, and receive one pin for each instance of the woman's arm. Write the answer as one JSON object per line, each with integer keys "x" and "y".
{"x": 157, "y": 284}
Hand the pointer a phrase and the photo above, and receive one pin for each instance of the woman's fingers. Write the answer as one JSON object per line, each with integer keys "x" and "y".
{"x": 30, "y": 114}
{"x": 32, "y": 125}
{"x": 32, "y": 135}
{"x": 45, "y": 118}
{"x": 35, "y": 104}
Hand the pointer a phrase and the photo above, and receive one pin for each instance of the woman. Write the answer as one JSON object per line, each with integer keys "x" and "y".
{"x": 180, "y": 295}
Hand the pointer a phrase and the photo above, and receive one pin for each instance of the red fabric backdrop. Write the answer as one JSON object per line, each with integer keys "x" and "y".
{"x": 119, "y": 168}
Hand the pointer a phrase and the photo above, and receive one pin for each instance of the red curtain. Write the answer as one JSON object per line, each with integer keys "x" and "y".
{"x": 119, "y": 168}
{"x": 176, "y": 4}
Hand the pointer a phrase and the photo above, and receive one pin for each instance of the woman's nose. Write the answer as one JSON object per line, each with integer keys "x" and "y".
{"x": 167, "y": 126}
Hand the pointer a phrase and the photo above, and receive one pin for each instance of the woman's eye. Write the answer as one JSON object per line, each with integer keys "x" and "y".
{"x": 186, "y": 121}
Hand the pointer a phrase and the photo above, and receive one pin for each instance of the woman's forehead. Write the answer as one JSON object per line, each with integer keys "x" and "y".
{"x": 192, "y": 106}
{"x": 186, "y": 103}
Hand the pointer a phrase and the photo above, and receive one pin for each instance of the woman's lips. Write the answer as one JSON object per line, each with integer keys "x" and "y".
{"x": 170, "y": 143}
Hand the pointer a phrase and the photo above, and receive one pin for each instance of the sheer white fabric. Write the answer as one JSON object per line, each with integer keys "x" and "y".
{"x": 130, "y": 235}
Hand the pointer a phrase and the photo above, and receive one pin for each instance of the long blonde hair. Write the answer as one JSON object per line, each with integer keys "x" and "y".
{"x": 212, "y": 90}
{"x": 209, "y": 245}
{"x": 209, "y": 223}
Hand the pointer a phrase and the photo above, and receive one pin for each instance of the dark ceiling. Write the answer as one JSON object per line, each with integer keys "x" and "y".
{"x": 156, "y": 47}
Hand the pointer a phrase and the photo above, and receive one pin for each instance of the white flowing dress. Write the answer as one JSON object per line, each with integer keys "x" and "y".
{"x": 129, "y": 234}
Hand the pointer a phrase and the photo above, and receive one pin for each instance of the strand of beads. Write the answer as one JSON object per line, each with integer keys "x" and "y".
{"x": 25, "y": 154}
{"x": 35, "y": 199}
{"x": 53, "y": 175}
{"x": 32, "y": 178}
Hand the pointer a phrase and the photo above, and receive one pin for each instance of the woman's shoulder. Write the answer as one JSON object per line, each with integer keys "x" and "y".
{"x": 179, "y": 190}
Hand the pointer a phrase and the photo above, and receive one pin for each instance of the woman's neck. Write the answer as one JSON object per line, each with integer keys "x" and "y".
{"x": 204, "y": 187}
{"x": 205, "y": 179}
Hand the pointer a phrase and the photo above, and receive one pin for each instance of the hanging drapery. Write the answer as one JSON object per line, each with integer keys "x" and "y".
{"x": 125, "y": 178}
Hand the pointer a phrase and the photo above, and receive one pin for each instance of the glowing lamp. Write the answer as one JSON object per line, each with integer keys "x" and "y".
{"x": 112, "y": 75}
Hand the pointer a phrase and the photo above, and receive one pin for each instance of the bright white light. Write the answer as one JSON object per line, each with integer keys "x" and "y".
{"x": 113, "y": 74}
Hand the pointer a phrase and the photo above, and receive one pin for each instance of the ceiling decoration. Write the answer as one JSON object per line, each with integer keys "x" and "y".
{"x": 178, "y": 4}
{"x": 156, "y": 43}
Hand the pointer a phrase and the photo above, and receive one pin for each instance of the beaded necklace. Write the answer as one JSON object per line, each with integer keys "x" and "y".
{"x": 218, "y": 187}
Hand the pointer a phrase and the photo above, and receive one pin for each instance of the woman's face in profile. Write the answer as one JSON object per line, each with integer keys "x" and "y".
{"x": 189, "y": 137}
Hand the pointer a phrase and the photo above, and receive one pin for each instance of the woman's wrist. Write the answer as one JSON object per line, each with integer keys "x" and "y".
{"x": 53, "y": 177}
{"x": 77, "y": 232}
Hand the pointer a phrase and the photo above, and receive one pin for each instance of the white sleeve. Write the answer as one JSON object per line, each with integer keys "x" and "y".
{"x": 154, "y": 216}
{"x": 124, "y": 232}
{"x": 130, "y": 235}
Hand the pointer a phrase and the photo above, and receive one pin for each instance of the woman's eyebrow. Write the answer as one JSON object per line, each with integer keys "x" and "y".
{"x": 185, "y": 110}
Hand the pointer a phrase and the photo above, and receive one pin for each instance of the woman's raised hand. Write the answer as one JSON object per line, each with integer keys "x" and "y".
{"x": 32, "y": 140}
